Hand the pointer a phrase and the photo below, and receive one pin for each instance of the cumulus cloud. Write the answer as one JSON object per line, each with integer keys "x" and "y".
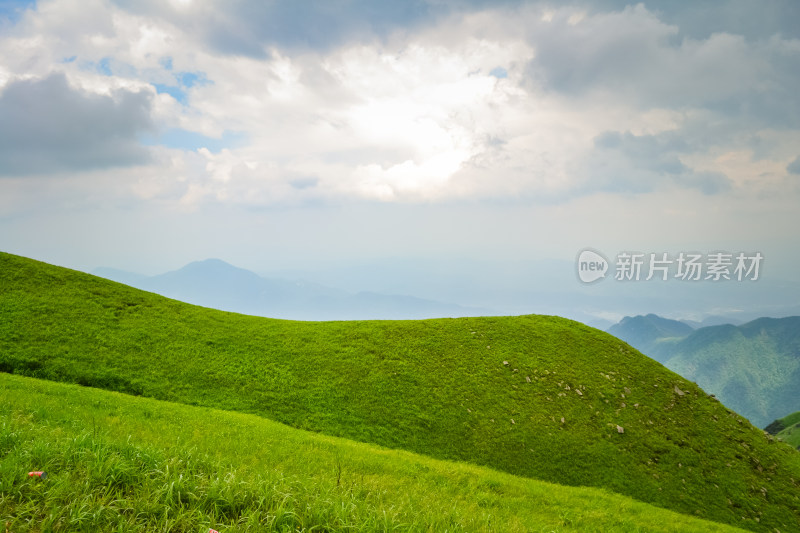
{"x": 635, "y": 55}
{"x": 425, "y": 101}
{"x": 530, "y": 113}
{"x": 700, "y": 20}
{"x": 251, "y": 28}
{"x": 646, "y": 162}
{"x": 49, "y": 126}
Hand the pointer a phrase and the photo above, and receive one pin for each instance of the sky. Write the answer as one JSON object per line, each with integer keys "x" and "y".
{"x": 487, "y": 143}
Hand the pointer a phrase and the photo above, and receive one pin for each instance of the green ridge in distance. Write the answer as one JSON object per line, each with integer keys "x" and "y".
{"x": 787, "y": 429}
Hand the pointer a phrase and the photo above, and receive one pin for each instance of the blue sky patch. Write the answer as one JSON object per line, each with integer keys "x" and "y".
{"x": 499, "y": 72}
{"x": 104, "y": 66}
{"x": 190, "y": 79}
{"x": 190, "y": 140}
{"x": 185, "y": 80}
{"x": 176, "y": 92}
{"x": 13, "y": 9}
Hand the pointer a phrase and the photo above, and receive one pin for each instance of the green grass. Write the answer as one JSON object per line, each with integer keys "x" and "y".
{"x": 791, "y": 435}
{"x": 787, "y": 429}
{"x": 791, "y": 419}
{"x": 533, "y": 396}
{"x": 119, "y": 463}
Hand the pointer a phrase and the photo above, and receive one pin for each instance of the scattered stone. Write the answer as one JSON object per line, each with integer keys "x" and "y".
{"x": 563, "y": 421}
{"x": 620, "y": 429}
{"x": 504, "y": 362}
{"x": 528, "y": 379}
{"x": 512, "y": 421}
{"x": 679, "y": 392}
{"x": 579, "y": 392}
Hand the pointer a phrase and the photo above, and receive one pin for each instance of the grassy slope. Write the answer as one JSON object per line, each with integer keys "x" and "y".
{"x": 791, "y": 435}
{"x": 787, "y": 429}
{"x": 438, "y": 387}
{"x": 117, "y": 462}
{"x": 754, "y": 368}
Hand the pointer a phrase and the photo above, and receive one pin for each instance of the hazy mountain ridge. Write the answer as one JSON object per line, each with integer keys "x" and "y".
{"x": 490, "y": 286}
{"x": 644, "y": 332}
{"x": 219, "y": 285}
{"x": 754, "y": 368}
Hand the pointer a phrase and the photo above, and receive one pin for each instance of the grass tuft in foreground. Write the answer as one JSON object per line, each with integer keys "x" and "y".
{"x": 118, "y": 463}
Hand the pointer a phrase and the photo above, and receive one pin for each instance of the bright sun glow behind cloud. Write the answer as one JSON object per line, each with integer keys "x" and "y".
{"x": 185, "y": 107}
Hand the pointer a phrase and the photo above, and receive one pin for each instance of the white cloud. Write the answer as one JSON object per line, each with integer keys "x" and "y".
{"x": 413, "y": 112}
{"x": 418, "y": 116}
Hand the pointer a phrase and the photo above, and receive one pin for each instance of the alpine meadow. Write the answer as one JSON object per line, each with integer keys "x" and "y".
{"x": 439, "y": 425}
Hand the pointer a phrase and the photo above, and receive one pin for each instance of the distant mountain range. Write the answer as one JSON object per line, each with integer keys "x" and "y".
{"x": 753, "y": 368}
{"x": 219, "y": 285}
{"x": 645, "y": 332}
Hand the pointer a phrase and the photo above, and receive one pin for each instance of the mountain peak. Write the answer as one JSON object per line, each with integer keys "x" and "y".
{"x": 215, "y": 270}
{"x": 212, "y": 262}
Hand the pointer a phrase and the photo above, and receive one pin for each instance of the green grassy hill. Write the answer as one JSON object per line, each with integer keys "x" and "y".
{"x": 120, "y": 463}
{"x": 787, "y": 429}
{"x": 540, "y": 397}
